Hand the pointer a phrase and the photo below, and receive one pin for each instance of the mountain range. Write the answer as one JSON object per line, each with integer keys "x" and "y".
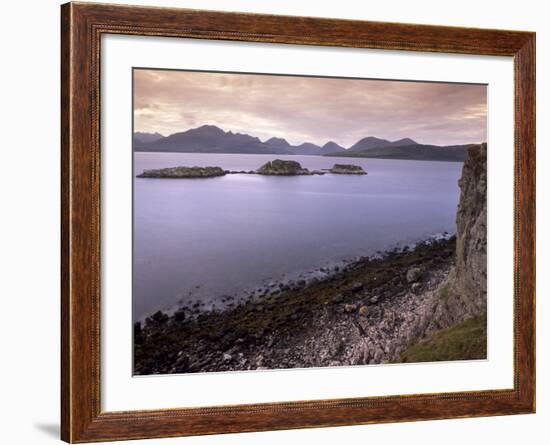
{"x": 144, "y": 138}
{"x": 416, "y": 152}
{"x": 212, "y": 139}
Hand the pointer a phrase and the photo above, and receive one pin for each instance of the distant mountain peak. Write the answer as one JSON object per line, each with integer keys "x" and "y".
{"x": 404, "y": 141}
{"x": 332, "y": 147}
{"x": 142, "y": 133}
{"x": 372, "y": 138}
{"x": 143, "y": 137}
{"x": 369, "y": 142}
{"x": 277, "y": 142}
{"x": 207, "y": 128}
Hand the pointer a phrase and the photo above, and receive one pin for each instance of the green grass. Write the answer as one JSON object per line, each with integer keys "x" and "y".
{"x": 444, "y": 293}
{"x": 465, "y": 341}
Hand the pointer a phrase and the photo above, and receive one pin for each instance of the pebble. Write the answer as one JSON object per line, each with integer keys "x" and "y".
{"x": 350, "y": 308}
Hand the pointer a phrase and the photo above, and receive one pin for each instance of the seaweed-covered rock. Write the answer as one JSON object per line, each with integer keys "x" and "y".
{"x": 347, "y": 169}
{"x": 414, "y": 274}
{"x": 282, "y": 168}
{"x": 183, "y": 172}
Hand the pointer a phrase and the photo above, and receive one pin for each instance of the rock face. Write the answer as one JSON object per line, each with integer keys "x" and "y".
{"x": 471, "y": 221}
{"x": 279, "y": 167}
{"x": 348, "y": 169}
{"x": 183, "y": 172}
{"x": 467, "y": 283}
{"x": 463, "y": 294}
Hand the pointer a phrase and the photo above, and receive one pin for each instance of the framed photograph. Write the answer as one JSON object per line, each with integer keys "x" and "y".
{"x": 274, "y": 222}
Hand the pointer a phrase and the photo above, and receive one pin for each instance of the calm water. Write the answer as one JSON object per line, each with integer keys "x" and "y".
{"x": 202, "y": 238}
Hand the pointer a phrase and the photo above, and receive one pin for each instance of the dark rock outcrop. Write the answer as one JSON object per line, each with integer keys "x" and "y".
{"x": 183, "y": 172}
{"x": 471, "y": 221}
{"x": 467, "y": 283}
{"x": 279, "y": 167}
{"x": 347, "y": 169}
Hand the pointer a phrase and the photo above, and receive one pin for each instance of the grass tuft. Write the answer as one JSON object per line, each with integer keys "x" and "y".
{"x": 445, "y": 293}
{"x": 465, "y": 341}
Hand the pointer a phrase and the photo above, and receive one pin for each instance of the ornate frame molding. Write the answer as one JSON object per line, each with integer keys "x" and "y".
{"x": 82, "y": 25}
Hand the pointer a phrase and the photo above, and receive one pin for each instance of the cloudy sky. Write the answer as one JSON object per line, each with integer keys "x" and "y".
{"x": 309, "y": 109}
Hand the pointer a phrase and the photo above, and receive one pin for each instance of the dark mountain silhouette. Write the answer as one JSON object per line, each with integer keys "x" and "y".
{"x": 331, "y": 147}
{"x": 212, "y": 139}
{"x": 402, "y": 142}
{"x": 372, "y": 142}
{"x": 419, "y": 152}
{"x": 307, "y": 148}
{"x": 369, "y": 142}
{"x": 144, "y": 138}
{"x": 278, "y": 143}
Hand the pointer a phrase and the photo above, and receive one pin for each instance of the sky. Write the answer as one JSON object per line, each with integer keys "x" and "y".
{"x": 310, "y": 109}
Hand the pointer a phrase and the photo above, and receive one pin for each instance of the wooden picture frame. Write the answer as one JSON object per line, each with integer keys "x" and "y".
{"x": 82, "y": 25}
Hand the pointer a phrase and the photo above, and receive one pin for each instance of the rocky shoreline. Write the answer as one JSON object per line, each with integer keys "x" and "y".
{"x": 368, "y": 312}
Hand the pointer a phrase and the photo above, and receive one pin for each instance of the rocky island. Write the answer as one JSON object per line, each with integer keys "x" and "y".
{"x": 183, "y": 172}
{"x": 278, "y": 167}
{"x": 347, "y": 169}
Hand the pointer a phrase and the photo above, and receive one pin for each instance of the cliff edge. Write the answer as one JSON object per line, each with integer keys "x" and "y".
{"x": 464, "y": 293}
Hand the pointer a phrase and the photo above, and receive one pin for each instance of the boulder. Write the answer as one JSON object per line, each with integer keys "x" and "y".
{"x": 179, "y": 315}
{"x": 414, "y": 274}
